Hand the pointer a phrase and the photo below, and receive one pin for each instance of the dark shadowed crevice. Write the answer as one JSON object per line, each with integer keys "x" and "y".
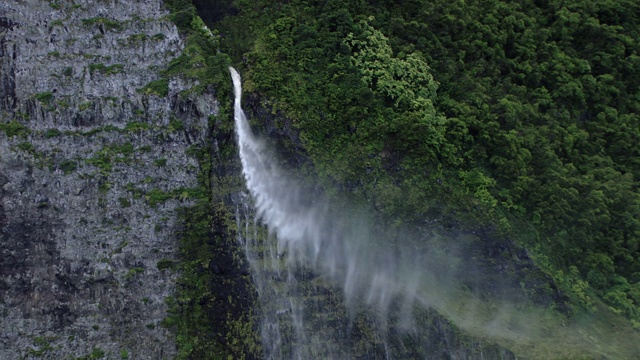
{"x": 212, "y": 11}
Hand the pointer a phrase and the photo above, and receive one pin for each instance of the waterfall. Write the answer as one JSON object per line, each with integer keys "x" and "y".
{"x": 306, "y": 232}
{"x": 330, "y": 287}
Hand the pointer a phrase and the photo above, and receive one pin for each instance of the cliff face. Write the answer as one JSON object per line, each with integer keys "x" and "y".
{"x": 93, "y": 166}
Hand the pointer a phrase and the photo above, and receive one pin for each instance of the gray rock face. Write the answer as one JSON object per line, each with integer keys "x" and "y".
{"x": 92, "y": 171}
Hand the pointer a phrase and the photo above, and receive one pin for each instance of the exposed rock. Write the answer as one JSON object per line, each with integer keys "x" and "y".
{"x": 90, "y": 184}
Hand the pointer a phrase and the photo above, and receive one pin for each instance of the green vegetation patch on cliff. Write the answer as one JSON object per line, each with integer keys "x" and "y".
{"x": 15, "y": 128}
{"x": 212, "y": 311}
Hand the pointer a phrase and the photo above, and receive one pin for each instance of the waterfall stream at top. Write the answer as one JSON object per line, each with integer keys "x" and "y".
{"x": 330, "y": 286}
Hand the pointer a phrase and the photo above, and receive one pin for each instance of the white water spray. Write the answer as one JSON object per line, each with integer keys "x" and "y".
{"x": 337, "y": 245}
{"x": 310, "y": 234}
{"x": 307, "y": 234}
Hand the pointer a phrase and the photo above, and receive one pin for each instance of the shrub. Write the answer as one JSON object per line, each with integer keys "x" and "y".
{"x": 108, "y": 24}
{"x": 68, "y": 166}
{"x": 44, "y": 97}
{"x": 51, "y": 133}
{"x": 14, "y": 128}
{"x": 158, "y": 87}
{"x": 164, "y": 264}
{"x": 160, "y": 162}
{"x": 106, "y": 69}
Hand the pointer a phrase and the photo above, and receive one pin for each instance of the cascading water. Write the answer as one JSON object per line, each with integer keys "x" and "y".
{"x": 330, "y": 287}
{"x": 306, "y": 234}
{"x": 301, "y": 248}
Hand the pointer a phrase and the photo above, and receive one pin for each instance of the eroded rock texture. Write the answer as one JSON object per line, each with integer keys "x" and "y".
{"x": 92, "y": 170}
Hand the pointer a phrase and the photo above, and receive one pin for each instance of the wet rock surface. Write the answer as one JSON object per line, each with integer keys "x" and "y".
{"x": 93, "y": 167}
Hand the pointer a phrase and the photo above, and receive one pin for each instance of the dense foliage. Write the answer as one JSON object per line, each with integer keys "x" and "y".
{"x": 523, "y": 116}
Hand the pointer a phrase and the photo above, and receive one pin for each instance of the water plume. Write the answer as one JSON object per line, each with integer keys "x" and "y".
{"x": 309, "y": 243}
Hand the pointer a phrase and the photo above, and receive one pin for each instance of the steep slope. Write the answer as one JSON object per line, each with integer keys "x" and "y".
{"x": 93, "y": 166}
{"x": 516, "y": 122}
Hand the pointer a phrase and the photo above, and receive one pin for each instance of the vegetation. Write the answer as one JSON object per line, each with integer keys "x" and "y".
{"x": 124, "y": 202}
{"x": 55, "y": 23}
{"x": 42, "y": 346}
{"x": 104, "y": 23}
{"x": 201, "y": 59}
{"x": 44, "y": 97}
{"x": 112, "y": 154}
{"x": 158, "y": 87}
{"x": 52, "y": 133}
{"x": 106, "y": 69}
{"x": 137, "y": 126}
{"x": 164, "y": 264}
{"x": 14, "y": 128}
{"x": 136, "y": 39}
{"x": 68, "y": 166}
{"x": 160, "y": 162}
{"x": 26, "y": 147}
{"x": 516, "y": 116}
{"x": 211, "y": 312}
{"x": 133, "y": 272}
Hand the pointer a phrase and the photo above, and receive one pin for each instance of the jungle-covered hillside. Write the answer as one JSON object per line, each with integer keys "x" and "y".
{"x": 522, "y": 117}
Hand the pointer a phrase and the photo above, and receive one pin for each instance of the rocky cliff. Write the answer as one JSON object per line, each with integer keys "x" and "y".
{"x": 93, "y": 166}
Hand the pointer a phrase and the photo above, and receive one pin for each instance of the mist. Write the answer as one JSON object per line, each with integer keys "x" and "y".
{"x": 291, "y": 233}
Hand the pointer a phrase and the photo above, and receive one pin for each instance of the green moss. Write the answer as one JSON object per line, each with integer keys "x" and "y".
{"x": 104, "y": 186}
{"x": 157, "y": 196}
{"x": 136, "y": 193}
{"x": 165, "y": 264}
{"x": 112, "y": 154}
{"x": 133, "y": 272}
{"x": 26, "y": 147}
{"x": 124, "y": 202}
{"x": 176, "y": 125}
{"x": 125, "y": 149}
{"x": 85, "y": 105}
{"x": 136, "y": 39}
{"x": 97, "y": 130}
{"x": 137, "y": 126}
{"x": 102, "y": 161}
{"x": 120, "y": 247}
{"x": 68, "y": 166}
{"x": 197, "y": 304}
{"x": 57, "y": 22}
{"x": 158, "y": 87}
{"x": 42, "y": 346}
{"x": 63, "y": 103}
{"x": 108, "y": 24}
{"x": 44, "y": 97}
{"x": 97, "y": 353}
{"x": 160, "y": 162}
{"x": 14, "y": 128}
{"x": 106, "y": 69}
